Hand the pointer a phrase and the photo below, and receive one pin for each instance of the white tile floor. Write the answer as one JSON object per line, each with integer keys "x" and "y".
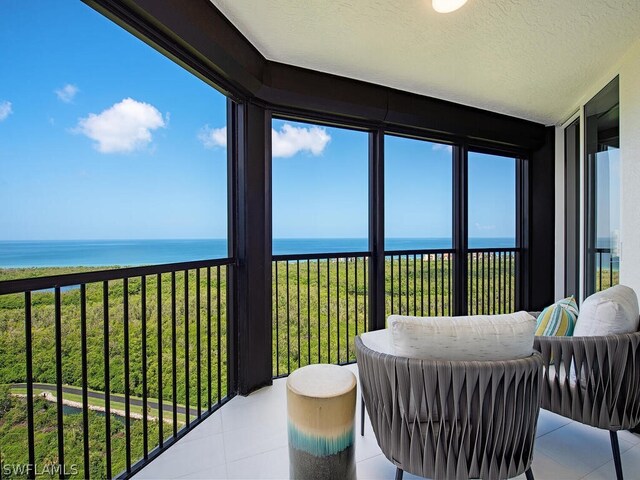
{"x": 247, "y": 439}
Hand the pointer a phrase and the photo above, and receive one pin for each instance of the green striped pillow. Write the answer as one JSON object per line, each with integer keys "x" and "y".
{"x": 558, "y": 319}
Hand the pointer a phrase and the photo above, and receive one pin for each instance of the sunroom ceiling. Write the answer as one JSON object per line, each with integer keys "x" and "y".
{"x": 533, "y": 59}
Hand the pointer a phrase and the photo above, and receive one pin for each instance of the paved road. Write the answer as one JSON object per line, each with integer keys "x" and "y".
{"x": 114, "y": 397}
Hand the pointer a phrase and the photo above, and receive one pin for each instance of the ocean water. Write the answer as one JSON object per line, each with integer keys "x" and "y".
{"x": 99, "y": 253}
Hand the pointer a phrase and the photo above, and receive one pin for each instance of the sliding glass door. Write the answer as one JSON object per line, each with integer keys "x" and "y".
{"x": 602, "y": 143}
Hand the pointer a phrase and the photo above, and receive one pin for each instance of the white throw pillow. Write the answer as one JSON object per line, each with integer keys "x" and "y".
{"x": 479, "y": 337}
{"x": 609, "y": 312}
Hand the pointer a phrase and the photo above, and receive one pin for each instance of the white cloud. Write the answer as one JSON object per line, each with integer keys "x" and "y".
{"x": 124, "y": 127}
{"x": 67, "y": 93}
{"x": 285, "y": 143}
{"x": 441, "y": 147}
{"x": 5, "y": 110}
{"x": 213, "y": 137}
{"x": 291, "y": 140}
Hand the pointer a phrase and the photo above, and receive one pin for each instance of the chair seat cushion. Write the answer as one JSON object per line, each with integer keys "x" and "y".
{"x": 378, "y": 341}
{"x": 467, "y": 338}
{"x": 609, "y": 312}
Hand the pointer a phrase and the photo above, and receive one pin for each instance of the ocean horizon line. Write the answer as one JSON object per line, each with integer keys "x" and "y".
{"x": 224, "y": 239}
{"x": 133, "y": 252}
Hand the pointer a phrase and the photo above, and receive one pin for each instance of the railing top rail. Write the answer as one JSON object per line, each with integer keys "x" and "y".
{"x": 603, "y": 250}
{"x": 318, "y": 256}
{"x": 419, "y": 251}
{"x": 493, "y": 250}
{"x": 70, "y": 279}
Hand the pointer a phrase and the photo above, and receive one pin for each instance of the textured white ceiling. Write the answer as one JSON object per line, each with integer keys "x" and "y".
{"x": 530, "y": 58}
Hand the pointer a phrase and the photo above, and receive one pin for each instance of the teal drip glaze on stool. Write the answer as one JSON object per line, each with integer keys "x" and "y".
{"x": 320, "y": 446}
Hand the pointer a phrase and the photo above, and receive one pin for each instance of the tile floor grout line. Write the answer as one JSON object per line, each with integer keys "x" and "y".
{"x": 554, "y": 430}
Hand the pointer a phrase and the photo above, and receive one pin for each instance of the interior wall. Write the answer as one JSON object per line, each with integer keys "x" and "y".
{"x": 630, "y": 168}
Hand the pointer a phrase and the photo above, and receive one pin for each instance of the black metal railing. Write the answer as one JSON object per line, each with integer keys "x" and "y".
{"x": 419, "y": 282}
{"x": 607, "y": 268}
{"x": 140, "y": 352}
{"x": 492, "y": 280}
{"x": 319, "y": 305}
{"x": 320, "y": 301}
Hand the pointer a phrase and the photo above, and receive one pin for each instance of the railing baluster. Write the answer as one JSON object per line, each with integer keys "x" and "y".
{"x": 494, "y": 283}
{"x": 444, "y": 301}
{"x": 143, "y": 314}
{"x": 29, "y": 373}
{"x": 288, "y": 325}
{"x": 347, "y": 306}
{"x": 338, "y": 306}
{"x": 503, "y": 288}
{"x": 415, "y": 296}
{"x": 437, "y": 301}
{"x": 219, "y": 331}
{"x": 174, "y": 359}
{"x": 298, "y": 310}
{"x": 160, "y": 394}
{"x": 475, "y": 257}
{"x": 499, "y": 254}
{"x": 277, "y": 323}
{"x": 392, "y": 293}
{"x": 59, "y": 391}
{"x": 399, "y": 284}
{"x": 610, "y": 269}
{"x": 318, "y": 303}
{"x": 198, "y": 349}
{"x": 209, "y": 385}
{"x": 600, "y": 271}
{"x": 406, "y": 267}
{"x": 470, "y": 284}
{"x": 187, "y": 410}
{"x": 85, "y": 393}
{"x": 429, "y": 282}
{"x": 501, "y": 282}
{"x": 365, "y": 328}
{"x": 107, "y": 387}
{"x": 308, "y": 312}
{"x": 449, "y": 296}
{"x": 422, "y": 285}
{"x": 485, "y": 278}
{"x": 510, "y": 256}
{"x": 328, "y": 313}
{"x": 127, "y": 406}
{"x": 357, "y": 293}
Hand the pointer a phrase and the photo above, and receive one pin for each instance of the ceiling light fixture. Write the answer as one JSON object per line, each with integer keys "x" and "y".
{"x": 447, "y": 6}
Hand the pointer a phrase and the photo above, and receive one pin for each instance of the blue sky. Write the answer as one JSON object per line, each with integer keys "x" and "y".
{"x": 55, "y": 182}
{"x": 101, "y": 137}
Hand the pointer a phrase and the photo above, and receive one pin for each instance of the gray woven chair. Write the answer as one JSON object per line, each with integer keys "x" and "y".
{"x": 593, "y": 380}
{"x": 453, "y": 420}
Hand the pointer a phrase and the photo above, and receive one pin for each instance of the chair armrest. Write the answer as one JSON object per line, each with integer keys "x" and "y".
{"x": 593, "y": 380}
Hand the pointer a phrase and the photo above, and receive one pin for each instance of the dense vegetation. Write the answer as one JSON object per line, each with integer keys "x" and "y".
{"x": 12, "y": 336}
{"x": 13, "y": 439}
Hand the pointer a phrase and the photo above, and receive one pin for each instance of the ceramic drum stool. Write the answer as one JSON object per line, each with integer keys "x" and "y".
{"x": 321, "y": 403}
